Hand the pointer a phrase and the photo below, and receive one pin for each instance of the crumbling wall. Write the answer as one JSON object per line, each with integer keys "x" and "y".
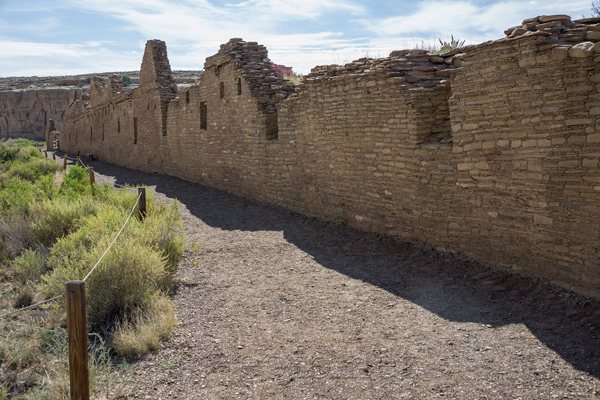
{"x": 491, "y": 150}
{"x": 126, "y": 127}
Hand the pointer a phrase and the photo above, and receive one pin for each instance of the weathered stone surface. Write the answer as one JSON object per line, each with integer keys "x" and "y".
{"x": 26, "y": 113}
{"x": 582, "y": 50}
{"x": 550, "y": 18}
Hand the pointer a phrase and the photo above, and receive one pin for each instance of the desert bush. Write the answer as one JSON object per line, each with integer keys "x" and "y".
{"x": 17, "y": 195}
{"x": 7, "y": 153}
{"x": 126, "y": 280}
{"x": 52, "y": 219}
{"x": 24, "y": 296}
{"x": 16, "y": 235}
{"x": 27, "y": 267}
{"x": 163, "y": 230}
{"x": 34, "y": 169}
{"x": 75, "y": 183}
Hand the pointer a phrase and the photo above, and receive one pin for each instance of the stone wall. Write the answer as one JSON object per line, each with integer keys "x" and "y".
{"x": 491, "y": 150}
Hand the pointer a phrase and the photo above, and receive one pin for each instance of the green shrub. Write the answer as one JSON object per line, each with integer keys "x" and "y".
{"x": 46, "y": 185}
{"x": 75, "y": 183}
{"x": 16, "y": 196}
{"x": 27, "y": 267}
{"x": 33, "y": 169}
{"x": 163, "y": 230}
{"x": 126, "y": 280}
{"x": 52, "y": 219}
{"x": 7, "y": 153}
{"x": 132, "y": 273}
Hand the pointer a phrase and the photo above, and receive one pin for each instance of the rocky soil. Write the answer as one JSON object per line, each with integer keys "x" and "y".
{"x": 274, "y": 304}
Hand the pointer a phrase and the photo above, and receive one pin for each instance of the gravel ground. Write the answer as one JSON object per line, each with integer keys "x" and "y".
{"x": 277, "y": 305}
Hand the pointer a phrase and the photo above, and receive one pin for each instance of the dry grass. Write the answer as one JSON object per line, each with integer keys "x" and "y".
{"x": 295, "y": 78}
{"x": 143, "y": 334}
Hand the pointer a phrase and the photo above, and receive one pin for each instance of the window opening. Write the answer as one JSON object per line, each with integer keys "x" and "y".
{"x": 239, "y": 86}
{"x": 203, "y": 115}
{"x": 222, "y": 89}
{"x": 272, "y": 127}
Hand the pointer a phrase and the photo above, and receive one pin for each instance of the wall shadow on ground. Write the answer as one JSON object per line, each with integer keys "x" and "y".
{"x": 451, "y": 286}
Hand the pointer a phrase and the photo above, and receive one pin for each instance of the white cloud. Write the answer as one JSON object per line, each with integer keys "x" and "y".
{"x": 48, "y": 59}
{"x": 297, "y": 33}
{"x": 467, "y": 18}
{"x": 309, "y": 9}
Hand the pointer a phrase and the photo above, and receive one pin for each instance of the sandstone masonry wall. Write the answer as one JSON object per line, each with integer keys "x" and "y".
{"x": 491, "y": 150}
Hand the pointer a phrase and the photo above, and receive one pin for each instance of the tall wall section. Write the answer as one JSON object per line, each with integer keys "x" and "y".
{"x": 492, "y": 150}
{"x": 126, "y": 127}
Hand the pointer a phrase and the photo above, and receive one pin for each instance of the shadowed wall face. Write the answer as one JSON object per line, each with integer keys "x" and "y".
{"x": 492, "y": 150}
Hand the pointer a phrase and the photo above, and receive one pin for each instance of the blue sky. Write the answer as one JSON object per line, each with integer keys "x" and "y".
{"x": 45, "y": 37}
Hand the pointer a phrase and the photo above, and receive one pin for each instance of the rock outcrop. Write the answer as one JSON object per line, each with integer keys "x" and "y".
{"x": 26, "y": 113}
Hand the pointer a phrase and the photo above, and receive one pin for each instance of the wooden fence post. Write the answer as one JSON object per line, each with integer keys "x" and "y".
{"x": 46, "y": 153}
{"x": 92, "y": 179}
{"x": 78, "y": 163}
{"x": 77, "y": 331}
{"x": 65, "y": 162}
{"x": 54, "y": 156}
{"x": 142, "y": 203}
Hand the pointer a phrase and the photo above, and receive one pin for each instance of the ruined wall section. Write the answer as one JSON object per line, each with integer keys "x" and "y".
{"x": 219, "y": 128}
{"x": 126, "y": 127}
{"x": 491, "y": 150}
{"x": 370, "y": 141}
{"x": 526, "y": 129}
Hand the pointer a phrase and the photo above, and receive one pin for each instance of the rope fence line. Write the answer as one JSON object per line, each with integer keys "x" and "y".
{"x": 103, "y": 179}
{"x": 93, "y": 268}
{"x": 31, "y": 306}
{"x": 114, "y": 240}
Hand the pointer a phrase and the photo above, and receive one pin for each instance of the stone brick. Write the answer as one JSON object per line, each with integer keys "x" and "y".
{"x": 593, "y": 138}
{"x": 582, "y": 50}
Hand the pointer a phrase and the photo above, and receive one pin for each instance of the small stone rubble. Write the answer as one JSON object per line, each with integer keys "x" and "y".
{"x": 407, "y": 68}
{"x": 579, "y": 37}
{"x": 252, "y": 60}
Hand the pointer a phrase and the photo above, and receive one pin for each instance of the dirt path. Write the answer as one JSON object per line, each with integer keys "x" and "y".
{"x": 275, "y": 305}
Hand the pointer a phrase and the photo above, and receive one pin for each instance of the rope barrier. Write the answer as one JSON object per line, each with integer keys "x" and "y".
{"x": 89, "y": 273}
{"x": 31, "y": 306}
{"x": 114, "y": 240}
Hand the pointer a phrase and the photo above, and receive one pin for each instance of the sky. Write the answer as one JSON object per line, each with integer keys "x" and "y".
{"x": 48, "y": 37}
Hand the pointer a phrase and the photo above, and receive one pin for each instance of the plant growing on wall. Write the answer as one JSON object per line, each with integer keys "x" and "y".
{"x": 451, "y": 45}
